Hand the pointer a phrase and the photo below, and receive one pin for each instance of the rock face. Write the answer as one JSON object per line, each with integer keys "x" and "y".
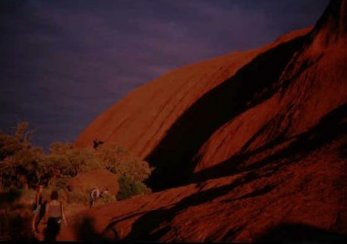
{"x": 312, "y": 86}
{"x": 167, "y": 120}
{"x": 255, "y": 140}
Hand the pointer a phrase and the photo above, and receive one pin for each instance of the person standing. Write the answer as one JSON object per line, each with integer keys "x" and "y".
{"x": 94, "y": 195}
{"x": 54, "y": 216}
{"x": 37, "y": 208}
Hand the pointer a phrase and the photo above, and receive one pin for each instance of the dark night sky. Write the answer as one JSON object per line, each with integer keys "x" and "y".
{"x": 63, "y": 62}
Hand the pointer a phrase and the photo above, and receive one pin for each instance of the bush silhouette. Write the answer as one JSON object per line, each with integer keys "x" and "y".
{"x": 120, "y": 161}
{"x": 23, "y": 165}
{"x": 129, "y": 187}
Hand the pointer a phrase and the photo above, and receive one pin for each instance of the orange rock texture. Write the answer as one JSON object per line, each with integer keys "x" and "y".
{"x": 250, "y": 146}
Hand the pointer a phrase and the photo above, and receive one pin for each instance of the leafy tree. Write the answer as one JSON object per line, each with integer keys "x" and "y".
{"x": 129, "y": 187}
{"x": 10, "y": 144}
{"x": 23, "y": 165}
{"x": 122, "y": 162}
{"x": 20, "y": 163}
{"x": 68, "y": 160}
{"x": 131, "y": 170}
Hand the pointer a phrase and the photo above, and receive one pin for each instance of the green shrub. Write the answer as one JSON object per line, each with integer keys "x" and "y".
{"x": 129, "y": 187}
{"x": 9, "y": 196}
{"x": 11, "y": 144}
{"x": 20, "y": 162}
{"x": 13, "y": 225}
{"x": 108, "y": 199}
{"x": 67, "y": 160}
{"x": 15, "y": 214}
{"x": 24, "y": 166}
{"x": 61, "y": 183}
{"x": 79, "y": 197}
{"x": 122, "y": 162}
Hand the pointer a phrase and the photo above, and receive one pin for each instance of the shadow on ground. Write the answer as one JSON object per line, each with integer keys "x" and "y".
{"x": 300, "y": 233}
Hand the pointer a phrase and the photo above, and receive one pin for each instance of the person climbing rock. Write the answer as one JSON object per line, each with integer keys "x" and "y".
{"x": 54, "y": 216}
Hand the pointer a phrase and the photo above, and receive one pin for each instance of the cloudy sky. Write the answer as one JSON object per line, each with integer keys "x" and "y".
{"x": 64, "y": 62}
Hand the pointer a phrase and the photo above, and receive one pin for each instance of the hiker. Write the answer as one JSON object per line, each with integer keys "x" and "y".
{"x": 38, "y": 208}
{"x": 94, "y": 195}
{"x": 54, "y": 215}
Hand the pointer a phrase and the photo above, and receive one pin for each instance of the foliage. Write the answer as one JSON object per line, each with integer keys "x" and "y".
{"x": 13, "y": 225}
{"x": 10, "y": 144}
{"x": 108, "y": 199}
{"x": 78, "y": 197}
{"x": 60, "y": 183}
{"x": 67, "y": 160}
{"x": 9, "y": 196}
{"x": 14, "y": 214}
{"x": 129, "y": 187}
{"x": 20, "y": 162}
{"x": 121, "y": 162}
{"x": 23, "y": 165}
